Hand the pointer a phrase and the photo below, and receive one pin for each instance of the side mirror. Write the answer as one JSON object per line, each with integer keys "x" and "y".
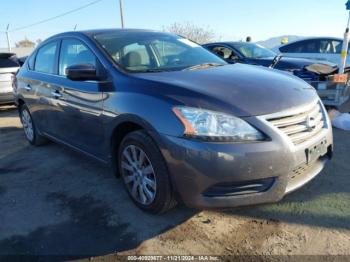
{"x": 82, "y": 72}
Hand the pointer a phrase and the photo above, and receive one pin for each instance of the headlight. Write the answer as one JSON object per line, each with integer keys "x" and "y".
{"x": 210, "y": 125}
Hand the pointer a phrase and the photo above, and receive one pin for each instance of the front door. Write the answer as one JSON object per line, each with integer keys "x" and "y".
{"x": 77, "y": 105}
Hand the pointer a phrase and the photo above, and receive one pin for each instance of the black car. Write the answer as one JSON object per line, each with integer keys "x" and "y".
{"x": 254, "y": 54}
{"x": 176, "y": 122}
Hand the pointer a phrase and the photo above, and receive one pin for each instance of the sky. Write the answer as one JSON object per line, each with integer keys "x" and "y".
{"x": 229, "y": 19}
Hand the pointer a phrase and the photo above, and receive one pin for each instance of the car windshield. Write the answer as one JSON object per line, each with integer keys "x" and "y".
{"x": 249, "y": 50}
{"x": 155, "y": 52}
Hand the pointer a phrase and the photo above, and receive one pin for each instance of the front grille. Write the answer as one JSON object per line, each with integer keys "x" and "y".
{"x": 301, "y": 126}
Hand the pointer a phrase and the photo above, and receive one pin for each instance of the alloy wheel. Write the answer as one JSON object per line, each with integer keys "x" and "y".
{"x": 27, "y": 125}
{"x": 138, "y": 175}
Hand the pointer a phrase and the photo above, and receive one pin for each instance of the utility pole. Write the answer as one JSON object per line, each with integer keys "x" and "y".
{"x": 344, "y": 52}
{"x": 8, "y": 38}
{"x": 121, "y": 12}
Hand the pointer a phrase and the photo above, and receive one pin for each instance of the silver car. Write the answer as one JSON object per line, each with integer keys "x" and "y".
{"x": 9, "y": 65}
{"x": 320, "y": 48}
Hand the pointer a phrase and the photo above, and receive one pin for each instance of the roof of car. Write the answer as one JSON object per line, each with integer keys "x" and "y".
{"x": 230, "y": 43}
{"x": 93, "y": 32}
{"x": 100, "y": 31}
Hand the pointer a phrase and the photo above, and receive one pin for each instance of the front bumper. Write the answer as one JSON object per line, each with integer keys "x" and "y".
{"x": 197, "y": 168}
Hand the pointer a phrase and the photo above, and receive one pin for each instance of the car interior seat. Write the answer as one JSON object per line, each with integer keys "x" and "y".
{"x": 220, "y": 53}
{"x": 132, "y": 59}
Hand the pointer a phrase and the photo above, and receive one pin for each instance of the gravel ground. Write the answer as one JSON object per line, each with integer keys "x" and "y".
{"x": 54, "y": 201}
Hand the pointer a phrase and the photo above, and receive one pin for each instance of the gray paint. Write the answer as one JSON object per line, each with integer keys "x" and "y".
{"x": 87, "y": 113}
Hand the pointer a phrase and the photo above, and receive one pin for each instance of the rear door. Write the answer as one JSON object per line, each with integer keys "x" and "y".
{"x": 35, "y": 82}
{"x": 75, "y": 117}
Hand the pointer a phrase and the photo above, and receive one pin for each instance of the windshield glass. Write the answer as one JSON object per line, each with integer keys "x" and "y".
{"x": 250, "y": 50}
{"x": 153, "y": 52}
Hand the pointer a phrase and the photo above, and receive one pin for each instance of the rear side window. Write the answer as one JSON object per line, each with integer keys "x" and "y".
{"x": 293, "y": 48}
{"x": 46, "y": 58}
{"x": 311, "y": 47}
{"x": 74, "y": 52}
{"x": 308, "y": 46}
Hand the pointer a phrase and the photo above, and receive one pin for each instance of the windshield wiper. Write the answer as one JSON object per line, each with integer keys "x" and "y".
{"x": 202, "y": 66}
{"x": 276, "y": 60}
{"x": 151, "y": 70}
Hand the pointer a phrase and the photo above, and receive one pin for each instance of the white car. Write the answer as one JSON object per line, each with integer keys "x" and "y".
{"x": 9, "y": 65}
{"x": 321, "y": 48}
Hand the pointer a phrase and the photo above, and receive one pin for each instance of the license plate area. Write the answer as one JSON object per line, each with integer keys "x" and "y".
{"x": 315, "y": 152}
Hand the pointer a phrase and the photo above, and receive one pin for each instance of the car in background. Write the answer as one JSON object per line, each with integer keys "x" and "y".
{"x": 175, "y": 121}
{"x": 254, "y": 54}
{"x": 9, "y": 65}
{"x": 320, "y": 48}
{"x": 22, "y": 59}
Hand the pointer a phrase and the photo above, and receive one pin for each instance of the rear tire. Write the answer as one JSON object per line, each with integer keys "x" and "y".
{"x": 145, "y": 174}
{"x": 30, "y": 130}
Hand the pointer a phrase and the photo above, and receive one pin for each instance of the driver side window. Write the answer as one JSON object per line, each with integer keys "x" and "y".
{"x": 224, "y": 52}
{"x": 74, "y": 52}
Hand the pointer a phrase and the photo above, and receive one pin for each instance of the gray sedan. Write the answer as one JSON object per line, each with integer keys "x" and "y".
{"x": 173, "y": 120}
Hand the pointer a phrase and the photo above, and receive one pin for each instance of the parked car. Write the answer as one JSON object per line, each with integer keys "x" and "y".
{"x": 317, "y": 73}
{"x": 176, "y": 122}
{"x": 9, "y": 65}
{"x": 321, "y": 48}
{"x": 22, "y": 59}
{"x": 254, "y": 54}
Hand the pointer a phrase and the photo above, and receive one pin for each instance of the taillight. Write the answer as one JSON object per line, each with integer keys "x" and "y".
{"x": 14, "y": 82}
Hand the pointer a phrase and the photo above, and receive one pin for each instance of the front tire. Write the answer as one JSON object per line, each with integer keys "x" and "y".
{"x": 29, "y": 127}
{"x": 145, "y": 174}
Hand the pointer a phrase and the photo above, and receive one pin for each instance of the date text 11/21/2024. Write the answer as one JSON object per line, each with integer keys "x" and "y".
{"x": 173, "y": 258}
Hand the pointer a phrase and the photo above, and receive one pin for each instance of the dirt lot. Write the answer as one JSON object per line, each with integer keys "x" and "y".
{"x": 55, "y": 201}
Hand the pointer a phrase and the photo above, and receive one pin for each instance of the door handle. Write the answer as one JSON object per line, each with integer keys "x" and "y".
{"x": 28, "y": 87}
{"x": 56, "y": 94}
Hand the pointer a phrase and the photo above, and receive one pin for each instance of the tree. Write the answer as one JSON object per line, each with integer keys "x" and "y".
{"x": 25, "y": 43}
{"x": 193, "y": 32}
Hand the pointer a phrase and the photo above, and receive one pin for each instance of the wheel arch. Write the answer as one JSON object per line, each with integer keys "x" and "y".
{"x": 124, "y": 125}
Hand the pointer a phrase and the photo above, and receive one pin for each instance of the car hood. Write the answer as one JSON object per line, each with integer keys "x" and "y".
{"x": 242, "y": 90}
{"x": 302, "y": 62}
{"x": 289, "y": 63}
